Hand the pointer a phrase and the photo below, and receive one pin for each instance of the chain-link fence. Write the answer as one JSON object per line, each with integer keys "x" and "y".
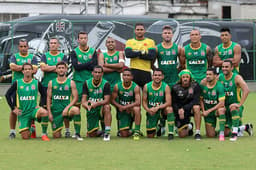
{"x": 37, "y": 30}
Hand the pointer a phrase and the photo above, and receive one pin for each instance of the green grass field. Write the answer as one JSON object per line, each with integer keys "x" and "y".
{"x": 158, "y": 153}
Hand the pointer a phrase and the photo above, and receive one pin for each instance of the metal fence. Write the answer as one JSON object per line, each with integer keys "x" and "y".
{"x": 38, "y": 30}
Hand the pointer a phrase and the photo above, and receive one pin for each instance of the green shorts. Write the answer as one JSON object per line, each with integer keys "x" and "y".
{"x": 211, "y": 119}
{"x": 151, "y": 122}
{"x": 57, "y": 123}
{"x": 25, "y": 119}
{"x": 124, "y": 120}
{"x": 228, "y": 115}
{"x": 93, "y": 118}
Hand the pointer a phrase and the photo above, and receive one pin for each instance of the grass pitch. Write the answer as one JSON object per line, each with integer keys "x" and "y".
{"x": 119, "y": 153}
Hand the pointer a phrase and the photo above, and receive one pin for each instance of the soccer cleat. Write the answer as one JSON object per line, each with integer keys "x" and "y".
{"x": 33, "y": 131}
{"x": 158, "y": 133}
{"x": 106, "y": 137}
{"x": 233, "y": 137}
{"x": 240, "y": 134}
{"x": 45, "y": 138}
{"x": 221, "y": 138}
{"x": 197, "y": 136}
{"x": 136, "y": 136}
{"x": 67, "y": 135}
{"x": 33, "y": 135}
{"x": 170, "y": 136}
{"x": 12, "y": 136}
{"x": 249, "y": 129}
{"x": 190, "y": 132}
{"x": 78, "y": 137}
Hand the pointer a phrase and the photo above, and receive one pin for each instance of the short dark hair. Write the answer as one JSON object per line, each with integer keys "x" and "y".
{"x": 128, "y": 69}
{"x": 228, "y": 61}
{"x": 158, "y": 69}
{"x": 82, "y": 32}
{"x": 212, "y": 69}
{"x": 225, "y": 29}
{"x": 98, "y": 66}
{"x": 26, "y": 64}
{"x": 61, "y": 63}
{"x": 167, "y": 27}
{"x": 139, "y": 24}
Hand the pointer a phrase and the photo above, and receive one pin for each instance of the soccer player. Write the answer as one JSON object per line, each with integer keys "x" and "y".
{"x": 168, "y": 53}
{"x": 142, "y": 53}
{"x": 227, "y": 50}
{"x": 196, "y": 56}
{"x": 26, "y": 107}
{"x": 61, "y": 98}
{"x": 126, "y": 98}
{"x": 83, "y": 59}
{"x": 233, "y": 84}
{"x": 186, "y": 103}
{"x": 96, "y": 98}
{"x": 212, "y": 104}
{"x": 112, "y": 62}
{"x": 48, "y": 66}
{"x": 16, "y": 62}
{"x": 156, "y": 100}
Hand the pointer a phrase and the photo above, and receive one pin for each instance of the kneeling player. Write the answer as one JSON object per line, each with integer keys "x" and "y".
{"x": 26, "y": 108}
{"x": 156, "y": 99}
{"x": 59, "y": 104}
{"x": 185, "y": 103}
{"x": 212, "y": 104}
{"x": 126, "y": 99}
{"x": 95, "y": 99}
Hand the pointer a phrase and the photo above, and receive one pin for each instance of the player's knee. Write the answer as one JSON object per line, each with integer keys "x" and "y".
{"x": 136, "y": 110}
{"x": 196, "y": 109}
{"x": 106, "y": 108}
{"x": 75, "y": 110}
{"x": 221, "y": 111}
{"x": 169, "y": 110}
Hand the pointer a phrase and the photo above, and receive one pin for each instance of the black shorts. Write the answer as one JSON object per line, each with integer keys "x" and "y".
{"x": 141, "y": 77}
{"x": 43, "y": 98}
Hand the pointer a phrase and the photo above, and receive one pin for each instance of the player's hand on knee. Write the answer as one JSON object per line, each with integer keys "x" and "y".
{"x": 17, "y": 111}
{"x": 234, "y": 105}
{"x": 65, "y": 112}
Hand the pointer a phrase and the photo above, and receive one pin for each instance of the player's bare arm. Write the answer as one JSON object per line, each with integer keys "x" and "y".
{"x": 209, "y": 56}
{"x": 49, "y": 100}
{"x": 237, "y": 55}
{"x": 168, "y": 100}
{"x": 217, "y": 62}
{"x": 74, "y": 100}
{"x": 182, "y": 58}
{"x": 245, "y": 90}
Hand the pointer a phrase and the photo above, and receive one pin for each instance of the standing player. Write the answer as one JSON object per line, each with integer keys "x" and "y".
{"x": 112, "y": 62}
{"x": 26, "y": 107}
{"x": 61, "y": 98}
{"x": 233, "y": 84}
{"x": 16, "y": 62}
{"x": 168, "y": 54}
{"x": 196, "y": 56}
{"x": 96, "y": 98}
{"x": 227, "y": 50}
{"x": 83, "y": 59}
{"x": 126, "y": 99}
{"x": 185, "y": 103}
{"x": 48, "y": 66}
{"x": 142, "y": 53}
{"x": 212, "y": 104}
{"x": 156, "y": 99}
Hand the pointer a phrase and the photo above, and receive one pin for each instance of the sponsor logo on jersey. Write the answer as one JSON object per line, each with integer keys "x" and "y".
{"x": 60, "y": 97}
{"x": 153, "y": 104}
{"x": 229, "y": 93}
{"x": 229, "y": 51}
{"x": 213, "y": 92}
{"x": 168, "y": 53}
{"x": 124, "y": 102}
{"x": 95, "y": 99}
{"x": 55, "y": 87}
{"x": 196, "y": 62}
{"x": 169, "y": 62}
{"x": 27, "y": 97}
{"x": 202, "y": 53}
{"x": 173, "y": 52}
{"x": 207, "y": 101}
{"x": 66, "y": 87}
{"x": 21, "y": 87}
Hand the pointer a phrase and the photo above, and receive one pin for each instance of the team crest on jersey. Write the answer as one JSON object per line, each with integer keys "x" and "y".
{"x": 229, "y": 51}
{"x": 161, "y": 94}
{"x": 33, "y": 87}
{"x": 230, "y": 84}
{"x": 66, "y": 87}
{"x": 58, "y": 59}
{"x": 91, "y": 90}
{"x": 115, "y": 57}
{"x": 168, "y": 53}
{"x": 29, "y": 60}
{"x": 21, "y": 87}
{"x": 150, "y": 93}
{"x": 145, "y": 44}
{"x": 202, "y": 53}
{"x": 213, "y": 92}
{"x": 190, "y": 90}
{"x": 173, "y": 52}
{"x": 55, "y": 87}
{"x": 189, "y": 53}
{"x": 161, "y": 52}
